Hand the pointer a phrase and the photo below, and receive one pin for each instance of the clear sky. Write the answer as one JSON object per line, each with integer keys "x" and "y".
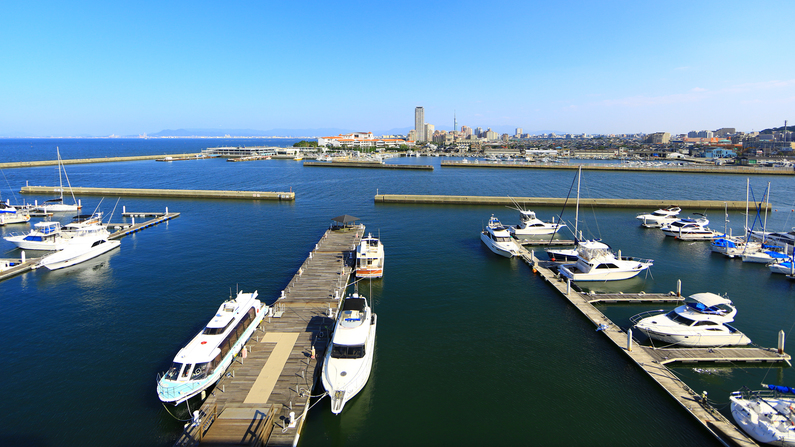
{"x": 97, "y": 68}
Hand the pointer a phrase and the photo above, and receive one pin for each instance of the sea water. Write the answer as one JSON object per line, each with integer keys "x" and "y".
{"x": 472, "y": 348}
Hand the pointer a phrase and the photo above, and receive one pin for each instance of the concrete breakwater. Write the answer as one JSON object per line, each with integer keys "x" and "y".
{"x": 189, "y": 193}
{"x": 77, "y": 161}
{"x": 558, "y": 202}
{"x": 745, "y": 170}
{"x": 355, "y": 164}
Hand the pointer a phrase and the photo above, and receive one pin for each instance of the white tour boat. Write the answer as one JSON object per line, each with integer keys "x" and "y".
{"x": 530, "y": 225}
{"x": 370, "y": 258}
{"x": 660, "y": 217}
{"x": 203, "y": 361}
{"x": 498, "y": 239}
{"x": 700, "y": 322}
{"x": 58, "y": 205}
{"x": 600, "y": 264}
{"x": 768, "y": 415}
{"x": 689, "y": 229}
{"x": 349, "y": 359}
{"x": 43, "y": 236}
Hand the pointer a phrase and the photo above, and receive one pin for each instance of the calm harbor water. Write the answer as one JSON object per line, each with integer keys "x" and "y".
{"x": 472, "y": 348}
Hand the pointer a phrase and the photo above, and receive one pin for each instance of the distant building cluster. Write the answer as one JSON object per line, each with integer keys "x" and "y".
{"x": 362, "y": 140}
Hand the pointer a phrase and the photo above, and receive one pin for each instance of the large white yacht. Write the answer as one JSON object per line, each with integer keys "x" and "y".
{"x": 689, "y": 229}
{"x": 349, "y": 359}
{"x": 600, "y": 264}
{"x": 370, "y": 258}
{"x": 498, "y": 239}
{"x": 702, "y": 321}
{"x": 530, "y": 225}
{"x": 660, "y": 217}
{"x": 43, "y": 236}
{"x": 206, "y": 357}
{"x": 77, "y": 251}
{"x": 768, "y": 415}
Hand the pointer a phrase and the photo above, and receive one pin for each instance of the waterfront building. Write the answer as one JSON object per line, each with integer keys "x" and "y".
{"x": 429, "y": 129}
{"x": 492, "y": 135}
{"x": 419, "y": 123}
{"x": 362, "y": 140}
{"x": 658, "y": 138}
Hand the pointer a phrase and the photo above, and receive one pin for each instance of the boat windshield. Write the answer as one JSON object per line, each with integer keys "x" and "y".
{"x": 216, "y": 330}
{"x": 173, "y": 372}
{"x": 347, "y": 352}
{"x": 675, "y": 317}
{"x": 200, "y": 371}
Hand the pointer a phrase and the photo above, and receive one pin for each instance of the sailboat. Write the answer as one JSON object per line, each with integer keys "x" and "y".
{"x": 58, "y": 205}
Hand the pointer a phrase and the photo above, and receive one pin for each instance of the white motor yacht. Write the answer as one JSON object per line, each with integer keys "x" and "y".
{"x": 76, "y": 252}
{"x": 206, "y": 357}
{"x": 660, "y": 217}
{"x": 349, "y": 359}
{"x": 599, "y": 264}
{"x": 689, "y": 229}
{"x": 530, "y": 225}
{"x": 11, "y": 214}
{"x": 700, "y": 322}
{"x": 768, "y": 415}
{"x": 370, "y": 258}
{"x": 43, "y": 236}
{"x": 498, "y": 239}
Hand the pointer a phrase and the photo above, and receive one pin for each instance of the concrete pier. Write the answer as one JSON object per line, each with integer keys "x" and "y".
{"x": 651, "y": 205}
{"x": 356, "y": 164}
{"x": 185, "y": 193}
{"x": 703, "y": 169}
{"x": 79, "y": 161}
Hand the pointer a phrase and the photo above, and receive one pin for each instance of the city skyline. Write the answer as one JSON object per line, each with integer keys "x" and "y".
{"x": 574, "y": 67}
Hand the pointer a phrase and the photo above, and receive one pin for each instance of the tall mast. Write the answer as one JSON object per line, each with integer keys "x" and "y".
{"x": 747, "y": 187}
{"x": 577, "y": 209}
{"x": 767, "y": 202}
{"x": 60, "y": 180}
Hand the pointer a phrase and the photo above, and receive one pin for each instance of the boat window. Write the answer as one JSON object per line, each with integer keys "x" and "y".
{"x": 217, "y": 330}
{"x": 186, "y": 371}
{"x": 200, "y": 371}
{"x": 173, "y": 372}
{"x": 606, "y": 266}
{"x": 706, "y": 323}
{"x": 347, "y": 352}
{"x": 675, "y": 317}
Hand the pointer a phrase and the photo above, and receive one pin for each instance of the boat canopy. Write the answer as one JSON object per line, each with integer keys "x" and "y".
{"x": 721, "y": 242}
{"x": 710, "y": 299}
{"x": 777, "y": 255}
{"x": 781, "y": 389}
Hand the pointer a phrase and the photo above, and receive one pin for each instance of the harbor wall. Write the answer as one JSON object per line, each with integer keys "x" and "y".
{"x": 558, "y": 202}
{"x": 183, "y": 193}
{"x": 744, "y": 170}
{"x": 77, "y": 161}
{"x": 354, "y": 164}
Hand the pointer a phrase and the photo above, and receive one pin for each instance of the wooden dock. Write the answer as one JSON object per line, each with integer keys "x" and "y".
{"x": 653, "y": 360}
{"x": 254, "y": 401}
{"x": 131, "y": 228}
{"x": 19, "y": 267}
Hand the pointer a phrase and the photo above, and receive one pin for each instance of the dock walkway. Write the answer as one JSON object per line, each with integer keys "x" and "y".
{"x": 653, "y": 361}
{"x": 254, "y": 401}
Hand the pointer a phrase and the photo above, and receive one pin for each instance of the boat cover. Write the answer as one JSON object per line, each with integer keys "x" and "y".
{"x": 710, "y": 299}
{"x": 777, "y": 255}
{"x": 721, "y": 242}
{"x": 781, "y": 389}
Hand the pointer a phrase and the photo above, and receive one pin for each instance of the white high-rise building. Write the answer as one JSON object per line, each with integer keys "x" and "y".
{"x": 518, "y": 131}
{"x": 419, "y": 123}
{"x": 429, "y": 128}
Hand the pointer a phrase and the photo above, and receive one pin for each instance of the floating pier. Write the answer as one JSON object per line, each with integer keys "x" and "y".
{"x": 182, "y": 193}
{"x": 723, "y": 169}
{"x": 264, "y": 397}
{"x": 20, "y": 265}
{"x": 365, "y": 164}
{"x": 653, "y": 360}
{"x": 78, "y": 161}
{"x": 558, "y": 202}
{"x": 126, "y": 229}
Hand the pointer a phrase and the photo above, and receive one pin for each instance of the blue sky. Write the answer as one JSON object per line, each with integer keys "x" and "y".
{"x": 100, "y": 68}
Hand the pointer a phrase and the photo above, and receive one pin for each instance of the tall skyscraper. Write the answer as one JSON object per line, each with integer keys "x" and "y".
{"x": 419, "y": 123}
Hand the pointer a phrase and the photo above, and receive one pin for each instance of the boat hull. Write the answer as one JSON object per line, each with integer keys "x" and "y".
{"x": 343, "y": 390}
{"x": 500, "y": 249}
{"x": 370, "y": 273}
{"x": 600, "y": 276}
{"x": 698, "y": 340}
{"x": 45, "y": 245}
{"x": 72, "y": 255}
{"x": 746, "y": 414}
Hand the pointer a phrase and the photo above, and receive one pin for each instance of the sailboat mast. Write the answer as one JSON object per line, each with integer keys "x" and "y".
{"x": 747, "y": 187}
{"x": 60, "y": 180}
{"x": 577, "y": 209}
{"x": 767, "y": 203}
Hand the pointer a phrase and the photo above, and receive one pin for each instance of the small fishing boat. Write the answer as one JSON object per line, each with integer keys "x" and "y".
{"x": 767, "y": 415}
{"x": 660, "y": 217}
{"x": 700, "y": 322}
{"x": 599, "y": 264}
{"x": 498, "y": 239}
{"x": 200, "y": 363}
{"x": 370, "y": 258}
{"x": 349, "y": 359}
